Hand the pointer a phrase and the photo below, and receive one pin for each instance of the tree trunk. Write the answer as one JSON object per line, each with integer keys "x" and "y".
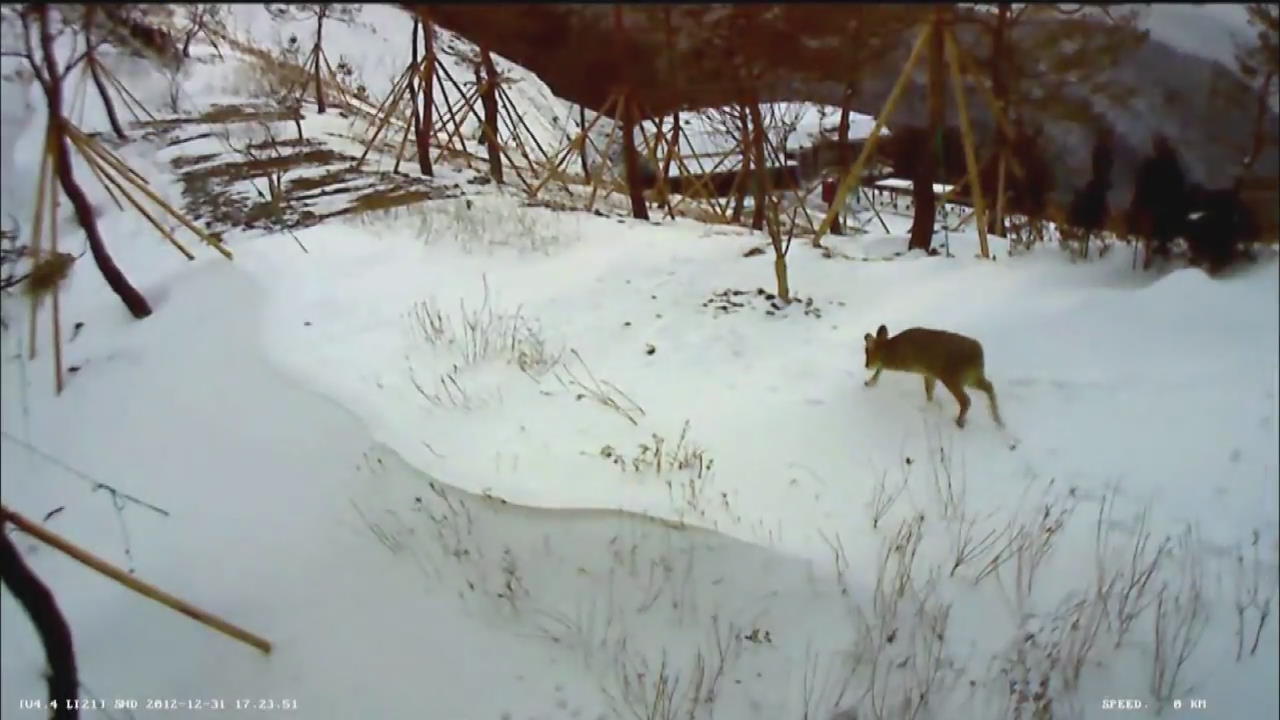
{"x": 744, "y": 172}
{"x": 926, "y": 169}
{"x": 55, "y": 635}
{"x": 582, "y": 127}
{"x": 91, "y": 60}
{"x": 1259, "y": 124}
{"x": 1000, "y": 92}
{"x": 489, "y": 101}
{"x": 422, "y": 123}
{"x": 631, "y": 159}
{"x": 762, "y": 194}
{"x": 761, "y": 168}
{"x": 319, "y": 50}
{"x": 112, "y": 116}
{"x": 133, "y": 300}
{"x": 842, "y": 137}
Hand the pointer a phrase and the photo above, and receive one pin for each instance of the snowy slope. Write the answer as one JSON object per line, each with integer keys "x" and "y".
{"x": 476, "y": 459}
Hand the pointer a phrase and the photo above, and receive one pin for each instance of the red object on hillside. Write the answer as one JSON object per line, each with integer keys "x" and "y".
{"x": 828, "y": 191}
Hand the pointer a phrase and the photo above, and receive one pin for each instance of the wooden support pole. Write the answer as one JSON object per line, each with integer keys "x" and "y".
{"x": 138, "y": 586}
{"x": 970, "y": 155}
{"x": 579, "y": 143}
{"x": 853, "y": 176}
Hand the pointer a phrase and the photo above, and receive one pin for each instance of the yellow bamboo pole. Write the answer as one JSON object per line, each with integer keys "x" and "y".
{"x": 37, "y": 232}
{"x": 852, "y": 177}
{"x": 87, "y": 143}
{"x": 94, "y": 164}
{"x": 86, "y": 558}
{"x": 56, "y": 290}
{"x": 579, "y": 143}
{"x": 970, "y": 155}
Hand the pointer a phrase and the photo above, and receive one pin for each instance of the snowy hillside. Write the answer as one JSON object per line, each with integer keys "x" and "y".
{"x": 471, "y": 458}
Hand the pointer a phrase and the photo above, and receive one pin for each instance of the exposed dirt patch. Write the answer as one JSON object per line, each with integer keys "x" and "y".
{"x": 729, "y": 300}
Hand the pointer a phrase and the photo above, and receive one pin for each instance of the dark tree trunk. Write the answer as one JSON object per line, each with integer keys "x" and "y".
{"x": 112, "y": 117}
{"x": 999, "y": 90}
{"x": 427, "y": 124}
{"x": 761, "y": 168}
{"x": 1259, "y": 124}
{"x": 582, "y": 127}
{"x": 489, "y": 101}
{"x": 320, "y": 13}
{"x": 421, "y": 136}
{"x": 744, "y": 172}
{"x": 675, "y": 143}
{"x": 95, "y": 72}
{"x": 133, "y": 300}
{"x": 631, "y": 159}
{"x": 926, "y": 169}
{"x": 55, "y": 634}
{"x": 842, "y": 137}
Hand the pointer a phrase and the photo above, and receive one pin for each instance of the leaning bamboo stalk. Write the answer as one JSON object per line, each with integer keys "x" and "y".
{"x": 88, "y": 145}
{"x": 502, "y": 91}
{"x": 84, "y": 557}
{"x": 77, "y": 136}
{"x": 721, "y": 209}
{"x": 1000, "y": 192}
{"x": 704, "y": 182}
{"x": 997, "y": 109}
{"x": 102, "y": 180}
{"x": 55, "y": 306}
{"x": 467, "y": 99}
{"x": 43, "y": 184}
{"x": 404, "y": 140}
{"x": 124, "y": 91}
{"x": 578, "y": 142}
{"x": 970, "y": 155}
{"x": 395, "y": 98}
{"x": 853, "y": 176}
{"x": 604, "y": 156}
{"x": 94, "y": 164}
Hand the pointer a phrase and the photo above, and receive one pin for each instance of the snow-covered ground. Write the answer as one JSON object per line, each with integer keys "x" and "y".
{"x": 478, "y": 460}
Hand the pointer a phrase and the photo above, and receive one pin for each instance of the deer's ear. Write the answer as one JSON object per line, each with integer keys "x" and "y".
{"x": 882, "y": 333}
{"x": 868, "y": 338}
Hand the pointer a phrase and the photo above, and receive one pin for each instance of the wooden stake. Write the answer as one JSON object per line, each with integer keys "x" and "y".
{"x": 56, "y": 317}
{"x": 84, "y": 142}
{"x": 138, "y": 586}
{"x": 578, "y": 142}
{"x": 853, "y": 176}
{"x": 1000, "y": 191}
{"x": 43, "y": 184}
{"x": 970, "y": 156}
{"x": 107, "y": 180}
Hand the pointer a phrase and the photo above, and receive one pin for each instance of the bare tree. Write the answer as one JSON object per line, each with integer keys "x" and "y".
{"x": 1260, "y": 64}
{"x": 318, "y": 12}
{"x": 198, "y": 18}
{"x": 55, "y": 633}
{"x": 38, "y": 29}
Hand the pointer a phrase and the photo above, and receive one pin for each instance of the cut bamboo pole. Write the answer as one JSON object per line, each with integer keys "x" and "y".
{"x": 43, "y": 182}
{"x": 853, "y": 176}
{"x": 108, "y": 181}
{"x": 970, "y": 155}
{"x": 84, "y": 143}
{"x": 578, "y": 143}
{"x": 84, "y": 557}
{"x": 457, "y": 131}
{"x": 604, "y": 157}
{"x": 54, "y": 304}
{"x": 1000, "y": 190}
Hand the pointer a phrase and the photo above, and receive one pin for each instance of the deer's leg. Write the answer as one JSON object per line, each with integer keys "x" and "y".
{"x": 985, "y": 386}
{"x": 929, "y": 383}
{"x": 962, "y": 397}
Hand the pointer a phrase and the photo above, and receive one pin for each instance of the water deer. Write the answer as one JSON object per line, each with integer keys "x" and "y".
{"x": 954, "y": 359}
